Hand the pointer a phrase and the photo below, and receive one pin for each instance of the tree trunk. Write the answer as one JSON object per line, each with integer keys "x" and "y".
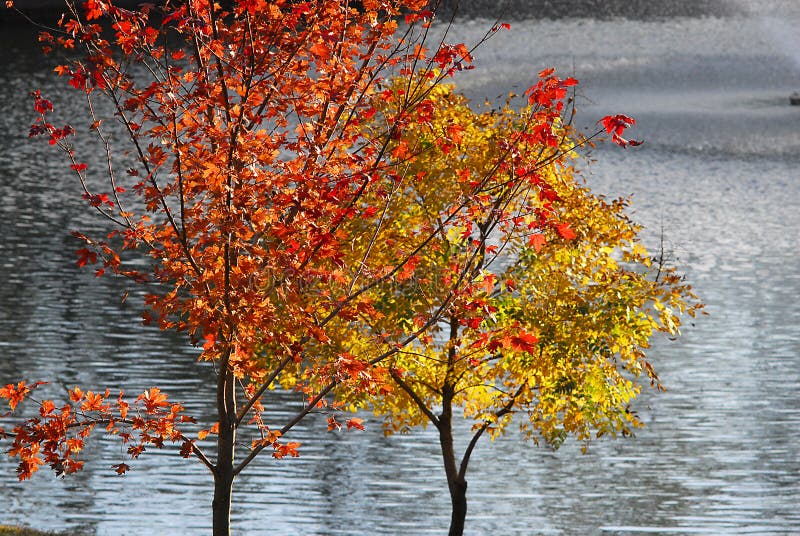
{"x": 455, "y": 482}
{"x": 226, "y": 449}
{"x": 221, "y": 506}
{"x": 223, "y": 482}
{"x": 458, "y": 500}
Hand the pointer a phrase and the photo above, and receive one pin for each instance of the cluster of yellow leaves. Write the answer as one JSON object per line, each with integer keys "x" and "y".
{"x": 564, "y": 300}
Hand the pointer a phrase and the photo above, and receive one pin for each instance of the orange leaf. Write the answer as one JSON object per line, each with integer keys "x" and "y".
{"x": 565, "y": 231}
{"x": 289, "y": 449}
{"x": 153, "y": 399}
{"x": 93, "y": 402}
{"x": 455, "y": 133}
{"x": 320, "y": 50}
{"x": 356, "y": 423}
{"x": 15, "y": 395}
{"x": 333, "y": 424}
{"x": 537, "y": 241}
{"x": 76, "y": 395}
{"x": 408, "y": 268}
{"x": 47, "y": 407}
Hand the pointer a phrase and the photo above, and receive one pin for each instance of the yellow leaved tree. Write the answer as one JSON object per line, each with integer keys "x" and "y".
{"x": 561, "y": 299}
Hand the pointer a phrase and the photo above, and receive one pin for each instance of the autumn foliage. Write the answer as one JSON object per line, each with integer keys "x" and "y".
{"x": 320, "y": 212}
{"x": 550, "y": 330}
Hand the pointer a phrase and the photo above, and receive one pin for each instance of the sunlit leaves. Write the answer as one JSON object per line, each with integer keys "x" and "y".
{"x": 59, "y": 433}
{"x": 14, "y": 394}
{"x": 356, "y": 423}
{"x": 561, "y": 342}
{"x": 616, "y": 126}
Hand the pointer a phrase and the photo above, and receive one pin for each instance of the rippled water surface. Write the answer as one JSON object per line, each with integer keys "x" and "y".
{"x": 718, "y": 176}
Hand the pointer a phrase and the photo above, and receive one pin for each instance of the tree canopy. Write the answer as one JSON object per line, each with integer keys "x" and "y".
{"x": 318, "y": 210}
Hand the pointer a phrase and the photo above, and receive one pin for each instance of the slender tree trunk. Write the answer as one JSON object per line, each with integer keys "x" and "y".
{"x": 223, "y": 482}
{"x": 458, "y": 499}
{"x": 226, "y": 448}
{"x": 223, "y": 489}
{"x": 455, "y": 482}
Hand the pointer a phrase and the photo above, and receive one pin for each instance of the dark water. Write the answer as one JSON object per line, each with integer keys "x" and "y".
{"x": 599, "y": 9}
{"x": 721, "y": 451}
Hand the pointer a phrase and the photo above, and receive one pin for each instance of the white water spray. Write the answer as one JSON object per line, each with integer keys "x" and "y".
{"x": 779, "y": 23}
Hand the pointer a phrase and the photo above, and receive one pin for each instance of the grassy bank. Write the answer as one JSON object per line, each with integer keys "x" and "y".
{"x": 5, "y": 530}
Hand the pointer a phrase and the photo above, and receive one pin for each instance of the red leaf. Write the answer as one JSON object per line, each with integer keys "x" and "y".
{"x": 617, "y": 124}
{"x": 537, "y": 241}
{"x": 408, "y": 268}
{"x": 186, "y": 449}
{"x": 121, "y": 468}
{"x": 356, "y": 423}
{"x": 42, "y": 106}
{"x": 524, "y": 342}
{"x": 93, "y": 9}
{"x": 97, "y": 200}
{"x": 474, "y": 322}
{"x": 565, "y": 231}
{"x": 86, "y": 256}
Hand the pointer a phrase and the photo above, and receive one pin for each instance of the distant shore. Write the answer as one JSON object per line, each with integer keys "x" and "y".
{"x": 506, "y": 9}
{"x": 44, "y": 10}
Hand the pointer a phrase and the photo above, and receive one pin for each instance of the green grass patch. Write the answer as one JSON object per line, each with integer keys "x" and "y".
{"x": 5, "y": 530}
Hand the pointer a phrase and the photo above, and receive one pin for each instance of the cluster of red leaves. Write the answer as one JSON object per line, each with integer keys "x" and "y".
{"x": 550, "y": 91}
{"x": 514, "y": 339}
{"x": 280, "y": 449}
{"x": 58, "y": 434}
{"x": 354, "y": 423}
{"x": 42, "y": 127}
{"x": 616, "y": 126}
{"x": 240, "y": 235}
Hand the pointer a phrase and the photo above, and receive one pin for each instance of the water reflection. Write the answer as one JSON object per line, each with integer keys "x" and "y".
{"x": 720, "y": 454}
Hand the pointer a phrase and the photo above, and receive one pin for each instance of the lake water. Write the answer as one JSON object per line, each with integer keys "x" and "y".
{"x": 719, "y": 176}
